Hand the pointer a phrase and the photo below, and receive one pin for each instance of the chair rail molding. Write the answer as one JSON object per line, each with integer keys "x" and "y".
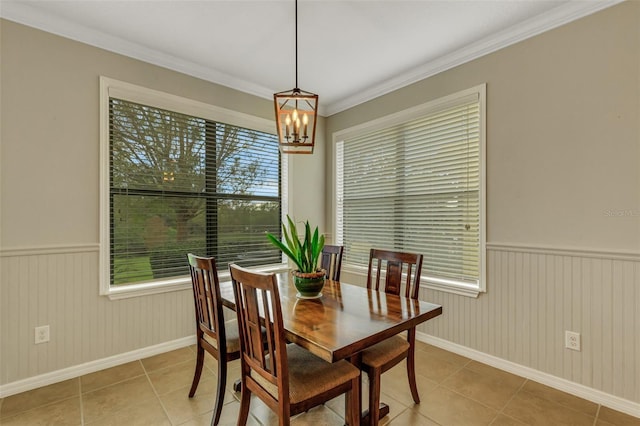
{"x": 565, "y": 251}
{"x": 49, "y": 249}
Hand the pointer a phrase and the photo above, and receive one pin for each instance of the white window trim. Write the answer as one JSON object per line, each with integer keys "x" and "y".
{"x": 133, "y": 93}
{"x": 479, "y": 92}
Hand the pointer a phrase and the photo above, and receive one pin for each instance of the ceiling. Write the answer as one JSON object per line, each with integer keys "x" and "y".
{"x": 349, "y": 51}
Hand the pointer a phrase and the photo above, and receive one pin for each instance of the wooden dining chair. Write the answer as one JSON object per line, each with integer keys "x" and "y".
{"x": 388, "y": 270}
{"x": 286, "y": 377}
{"x": 331, "y": 261}
{"x": 214, "y": 335}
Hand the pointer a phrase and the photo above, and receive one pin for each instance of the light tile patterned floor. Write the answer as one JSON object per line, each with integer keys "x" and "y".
{"x": 153, "y": 391}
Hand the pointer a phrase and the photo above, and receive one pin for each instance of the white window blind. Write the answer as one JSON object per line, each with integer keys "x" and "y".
{"x": 415, "y": 185}
{"x": 180, "y": 184}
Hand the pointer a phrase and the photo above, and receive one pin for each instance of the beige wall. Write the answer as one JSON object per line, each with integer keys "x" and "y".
{"x": 563, "y": 203}
{"x": 49, "y": 210}
{"x": 50, "y": 133}
{"x": 562, "y": 131}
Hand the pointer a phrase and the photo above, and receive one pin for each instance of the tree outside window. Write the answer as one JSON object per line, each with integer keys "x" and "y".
{"x": 182, "y": 184}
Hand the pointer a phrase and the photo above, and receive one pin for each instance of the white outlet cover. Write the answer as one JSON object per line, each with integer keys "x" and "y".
{"x": 42, "y": 334}
{"x": 572, "y": 340}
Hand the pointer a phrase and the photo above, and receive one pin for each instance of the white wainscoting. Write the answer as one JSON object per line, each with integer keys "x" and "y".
{"x": 533, "y": 295}
{"x": 58, "y": 286}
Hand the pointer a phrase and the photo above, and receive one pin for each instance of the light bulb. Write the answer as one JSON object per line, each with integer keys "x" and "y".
{"x": 287, "y": 123}
{"x": 305, "y": 120}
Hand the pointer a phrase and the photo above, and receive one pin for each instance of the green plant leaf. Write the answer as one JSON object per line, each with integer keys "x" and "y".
{"x": 317, "y": 247}
{"x": 296, "y": 246}
{"x": 308, "y": 248}
{"x": 304, "y": 254}
{"x": 276, "y": 242}
{"x": 314, "y": 249}
{"x": 287, "y": 238}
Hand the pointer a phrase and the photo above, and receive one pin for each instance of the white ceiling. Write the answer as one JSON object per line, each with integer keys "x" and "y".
{"x": 349, "y": 51}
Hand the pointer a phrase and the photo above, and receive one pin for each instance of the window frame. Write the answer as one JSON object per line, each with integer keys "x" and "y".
{"x": 477, "y": 92}
{"x": 111, "y": 88}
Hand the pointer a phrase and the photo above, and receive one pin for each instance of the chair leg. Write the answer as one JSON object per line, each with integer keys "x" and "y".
{"x": 284, "y": 415}
{"x": 353, "y": 396}
{"x": 374, "y": 396}
{"x": 348, "y": 406}
{"x": 198, "y": 372}
{"x": 284, "y": 421}
{"x": 411, "y": 375}
{"x": 222, "y": 384}
{"x": 245, "y": 400}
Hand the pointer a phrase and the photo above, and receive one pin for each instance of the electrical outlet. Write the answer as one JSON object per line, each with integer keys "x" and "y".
{"x": 42, "y": 334}
{"x": 572, "y": 340}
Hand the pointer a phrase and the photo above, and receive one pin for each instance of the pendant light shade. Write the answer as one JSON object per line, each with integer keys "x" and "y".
{"x": 296, "y": 114}
{"x": 296, "y": 117}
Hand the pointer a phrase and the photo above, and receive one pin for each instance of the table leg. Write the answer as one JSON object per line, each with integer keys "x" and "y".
{"x": 384, "y": 410}
{"x": 355, "y": 360}
{"x": 237, "y": 385}
{"x": 364, "y": 419}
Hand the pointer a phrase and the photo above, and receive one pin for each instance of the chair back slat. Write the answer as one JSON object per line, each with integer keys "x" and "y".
{"x": 331, "y": 261}
{"x": 393, "y": 277}
{"x": 387, "y": 269}
{"x": 262, "y": 338}
{"x": 378, "y": 274}
{"x": 206, "y": 292}
{"x": 252, "y": 328}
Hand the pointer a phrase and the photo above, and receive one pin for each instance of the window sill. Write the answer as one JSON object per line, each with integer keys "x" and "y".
{"x": 460, "y": 289}
{"x": 175, "y": 284}
{"x": 454, "y": 287}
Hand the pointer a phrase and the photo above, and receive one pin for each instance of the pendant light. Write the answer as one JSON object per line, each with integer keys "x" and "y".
{"x": 296, "y": 114}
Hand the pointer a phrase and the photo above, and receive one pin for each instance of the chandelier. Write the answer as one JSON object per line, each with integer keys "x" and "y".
{"x": 296, "y": 114}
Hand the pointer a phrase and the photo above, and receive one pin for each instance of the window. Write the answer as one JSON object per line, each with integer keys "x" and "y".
{"x": 414, "y": 181}
{"x": 179, "y": 180}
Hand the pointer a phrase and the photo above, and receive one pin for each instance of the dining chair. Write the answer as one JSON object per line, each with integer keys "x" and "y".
{"x": 387, "y": 272}
{"x": 331, "y": 261}
{"x": 214, "y": 335}
{"x": 286, "y": 377}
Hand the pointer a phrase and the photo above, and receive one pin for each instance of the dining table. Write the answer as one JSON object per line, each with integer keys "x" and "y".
{"x": 344, "y": 320}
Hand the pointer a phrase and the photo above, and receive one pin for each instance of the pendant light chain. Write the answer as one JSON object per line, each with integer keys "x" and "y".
{"x": 296, "y": 20}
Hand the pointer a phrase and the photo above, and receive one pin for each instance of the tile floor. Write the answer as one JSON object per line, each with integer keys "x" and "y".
{"x": 153, "y": 391}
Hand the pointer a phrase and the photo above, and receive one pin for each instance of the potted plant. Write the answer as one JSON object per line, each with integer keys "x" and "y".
{"x": 307, "y": 278}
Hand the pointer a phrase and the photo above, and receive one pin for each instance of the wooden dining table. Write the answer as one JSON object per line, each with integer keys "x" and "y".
{"x": 346, "y": 319}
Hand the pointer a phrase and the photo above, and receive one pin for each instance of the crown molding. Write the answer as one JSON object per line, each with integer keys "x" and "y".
{"x": 33, "y": 17}
{"x": 25, "y": 14}
{"x": 544, "y": 22}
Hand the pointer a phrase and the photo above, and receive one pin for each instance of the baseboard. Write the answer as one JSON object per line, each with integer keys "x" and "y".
{"x": 91, "y": 367}
{"x": 594, "y": 395}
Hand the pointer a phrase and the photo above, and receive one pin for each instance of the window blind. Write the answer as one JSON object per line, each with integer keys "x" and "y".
{"x": 181, "y": 184}
{"x": 415, "y": 187}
